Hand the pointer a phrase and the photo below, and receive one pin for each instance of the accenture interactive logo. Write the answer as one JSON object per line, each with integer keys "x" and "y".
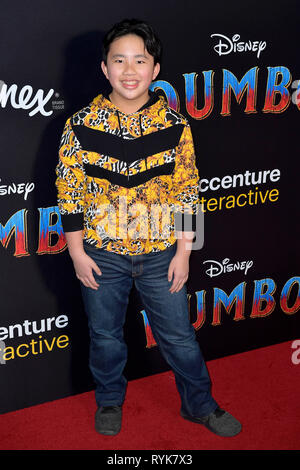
{"x": 28, "y": 99}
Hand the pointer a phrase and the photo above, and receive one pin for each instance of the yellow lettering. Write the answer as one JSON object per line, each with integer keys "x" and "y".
{"x": 50, "y": 347}
{"x": 211, "y": 203}
{"x": 62, "y": 339}
{"x": 9, "y": 353}
{"x": 18, "y": 350}
{"x": 274, "y": 192}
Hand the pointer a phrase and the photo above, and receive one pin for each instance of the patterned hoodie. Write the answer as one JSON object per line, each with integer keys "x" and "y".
{"x": 123, "y": 179}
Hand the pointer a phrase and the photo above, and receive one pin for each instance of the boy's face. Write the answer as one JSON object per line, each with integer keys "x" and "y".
{"x": 130, "y": 69}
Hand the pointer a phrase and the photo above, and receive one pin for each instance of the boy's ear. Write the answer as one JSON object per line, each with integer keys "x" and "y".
{"x": 104, "y": 69}
{"x": 156, "y": 71}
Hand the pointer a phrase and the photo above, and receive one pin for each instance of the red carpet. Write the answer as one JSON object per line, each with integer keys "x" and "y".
{"x": 261, "y": 388}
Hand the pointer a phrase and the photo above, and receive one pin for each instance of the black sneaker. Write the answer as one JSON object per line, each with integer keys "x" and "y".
{"x": 219, "y": 422}
{"x": 108, "y": 420}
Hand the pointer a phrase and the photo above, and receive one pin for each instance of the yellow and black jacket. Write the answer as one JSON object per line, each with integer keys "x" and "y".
{"x": 117, "y": 172}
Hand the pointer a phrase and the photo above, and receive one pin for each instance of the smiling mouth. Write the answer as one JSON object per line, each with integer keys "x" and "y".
{"x": 130, "y": 84}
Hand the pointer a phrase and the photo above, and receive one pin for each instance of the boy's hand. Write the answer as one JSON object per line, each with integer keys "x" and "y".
{"x": 84, "y": 266}
{"x": 179, "y": 271}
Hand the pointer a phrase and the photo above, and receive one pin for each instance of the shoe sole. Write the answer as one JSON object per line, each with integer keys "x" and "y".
{"x": 107, "y": 433}
{"x": 198, "y": 421}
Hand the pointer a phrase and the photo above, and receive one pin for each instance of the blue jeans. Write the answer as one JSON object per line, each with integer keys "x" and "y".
{"x": 168, "y": 317}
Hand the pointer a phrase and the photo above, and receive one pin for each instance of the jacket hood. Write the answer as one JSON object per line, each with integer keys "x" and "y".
{"x": 155, "y": 102}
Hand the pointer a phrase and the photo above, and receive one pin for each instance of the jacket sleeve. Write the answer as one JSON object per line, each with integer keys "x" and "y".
{"x": 71, "y": 181}
{"x": 185, "y": 183}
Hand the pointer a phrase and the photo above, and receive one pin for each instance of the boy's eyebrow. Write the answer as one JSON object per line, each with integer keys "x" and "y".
{"x": 136, "y": 56}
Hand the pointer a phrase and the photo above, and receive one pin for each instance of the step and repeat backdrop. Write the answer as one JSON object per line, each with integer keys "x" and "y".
{"x": 233, "y": 70}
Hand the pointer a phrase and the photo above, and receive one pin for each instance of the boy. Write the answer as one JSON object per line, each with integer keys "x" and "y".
{"x": 121, "y": 157}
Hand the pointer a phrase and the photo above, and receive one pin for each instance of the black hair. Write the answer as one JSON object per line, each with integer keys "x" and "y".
{"x": 139, "y": 28}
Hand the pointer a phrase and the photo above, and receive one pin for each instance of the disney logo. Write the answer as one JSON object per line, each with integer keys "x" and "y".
{"x": 227, "y": 45}
{"x": 216, "y": 268}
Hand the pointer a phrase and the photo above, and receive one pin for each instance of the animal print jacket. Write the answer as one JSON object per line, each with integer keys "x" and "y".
{"x": 123, "y": 179}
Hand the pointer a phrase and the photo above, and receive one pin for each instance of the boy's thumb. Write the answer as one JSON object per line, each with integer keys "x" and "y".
{"x": 97, "y": 269}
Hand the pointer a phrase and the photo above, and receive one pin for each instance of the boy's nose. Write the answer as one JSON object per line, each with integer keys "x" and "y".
{"x": 129, "y": 69}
